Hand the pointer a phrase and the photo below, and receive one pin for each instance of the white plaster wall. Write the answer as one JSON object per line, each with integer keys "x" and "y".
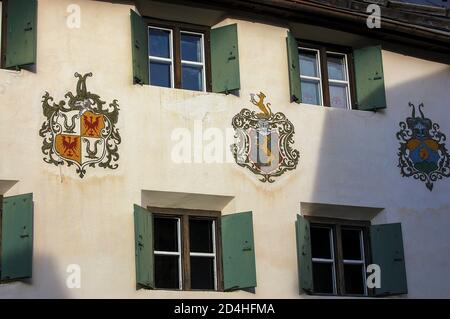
{"x": 347, "y": 157}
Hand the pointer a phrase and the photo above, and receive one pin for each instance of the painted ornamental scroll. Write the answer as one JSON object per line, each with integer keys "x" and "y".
{"x": 81, "y": 132}
{"x": 264, "y": 141}
{"x": 422, "y": 153}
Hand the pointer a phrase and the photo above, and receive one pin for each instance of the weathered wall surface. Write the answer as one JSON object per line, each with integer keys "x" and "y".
{"x": 347, "y": 158}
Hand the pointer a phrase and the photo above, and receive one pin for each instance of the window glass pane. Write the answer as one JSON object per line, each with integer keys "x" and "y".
{"x": 201, "y": 236}
{"x": 351, "y": 244}
{"x": 191, "y": 47}
{"x": 354, "y": 281}
{"x": 310, "y": 92}
{"x": 338, "y": 95}
{"x": 159, "y": 43}
{"x": 320, "y": 242}
{"x": 323, "y": 278}
{"x": 192, "y": 78}
{"x": 166, "y": 234}
{"x": 167, "y": 272}
{"x": 308, "y": 63}
{"x": 202, "y": 273}
{"x": 160, "y": 74}
{"x": 336, "y": 67}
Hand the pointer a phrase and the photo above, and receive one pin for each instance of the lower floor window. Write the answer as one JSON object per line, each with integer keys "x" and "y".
{"x": 185, "y": 249}
{"x": 339, "y": 258}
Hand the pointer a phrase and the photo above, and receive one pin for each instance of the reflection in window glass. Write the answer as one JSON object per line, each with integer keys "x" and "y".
{"x": 311, "y": 92}
{"x": 191, "y": 47}
{"x": 338, "y": 95}
{"x": 192, "y": 78}
{"x": 160, "y": 74}
{"x": 160, "y": 56}
{"x": 339, "y": 85}
{"x": 159, "y": 43}
{"x": 309, "y": 63}
{"x": 336, "y": 67}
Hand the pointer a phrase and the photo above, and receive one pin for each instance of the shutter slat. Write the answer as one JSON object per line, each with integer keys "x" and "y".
{"x": 225, "y": 59}
{"x": 21, "y": 35}
{"x": 387, "y": 252}
{"x": 369, "y": 76}
{"x": 143, "y": 232}
{"x": 304, "y": 260}
{"x": 293, "y": 69}
{"x": 238, "y": 251}
{"x": 139, "y": 45}
{"x": 17, "y": 237}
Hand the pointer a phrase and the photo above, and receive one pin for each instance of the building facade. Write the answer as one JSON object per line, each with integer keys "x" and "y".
{"x": 125, "y": 181}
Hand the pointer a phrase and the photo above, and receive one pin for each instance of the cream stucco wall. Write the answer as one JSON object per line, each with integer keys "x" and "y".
{"x": 347, "y": 158}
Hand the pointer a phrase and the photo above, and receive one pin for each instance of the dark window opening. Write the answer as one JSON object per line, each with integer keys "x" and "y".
{"x": 338, "y": 252}
{"x": 186, "y": 250}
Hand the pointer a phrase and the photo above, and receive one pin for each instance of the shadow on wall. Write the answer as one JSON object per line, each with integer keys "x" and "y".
{"x": 47, "y": 282}
{"x": 355, "y": 163}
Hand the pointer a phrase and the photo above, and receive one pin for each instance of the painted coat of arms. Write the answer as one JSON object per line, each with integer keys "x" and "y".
{"x": 264, "y": 141}
{"x": 422, "y": 153}
{"x": 82, "y": 131}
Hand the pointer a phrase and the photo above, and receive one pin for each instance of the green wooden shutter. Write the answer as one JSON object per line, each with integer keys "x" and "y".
{"x": 387, "y": 252}
{"x": 17, "y": 237}
{"x": 139, "y": 45}
{"x": 369, "y": 76}
{"x": 304, "y": 260}
{"x": 20, "y": 33}
{"x": 225, "y": 59}
{"x": 294, "y": 69}
{"x": 143, "y": 237}
{"x": 238, "y": 251}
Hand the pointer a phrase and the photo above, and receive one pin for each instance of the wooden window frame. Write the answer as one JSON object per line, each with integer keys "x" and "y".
{"x": 184, "y": 215}
{"x": 337, "y": 225}
{"x": 177, "y": 28}
{"x": 323, "y": 50}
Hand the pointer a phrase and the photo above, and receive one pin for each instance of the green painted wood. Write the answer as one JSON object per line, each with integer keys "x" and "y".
{"x": 225, "y": 59}
{"x": 294, "y": 69}
{"x": 17, "y": 237}
{"x": 304, "y": 260}
{"x": 143, "y": 236}
{"x": 238, "y": 251}
{"x": 139, "y": 49}
{"x": 387, "y": 252}
{"x": 21, "y": 35}
{"x": 369, "y": 77}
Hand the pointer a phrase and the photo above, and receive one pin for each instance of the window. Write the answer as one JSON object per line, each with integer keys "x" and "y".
{"x": 338, "y": 254}
{"x": 185, "y": 249}
{"x": 326, "y": 76}
{"x": 178, "y": 55}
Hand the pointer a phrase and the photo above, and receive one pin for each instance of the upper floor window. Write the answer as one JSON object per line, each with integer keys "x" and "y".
{"x": 326, "y": 76}
{"x": 178, "y": 56}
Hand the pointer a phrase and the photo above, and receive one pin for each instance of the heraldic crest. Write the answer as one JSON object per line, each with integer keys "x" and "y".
{"x": 422, "y": 153}
{"x": 264, "y": 141}
{"x": 82, "y": 131}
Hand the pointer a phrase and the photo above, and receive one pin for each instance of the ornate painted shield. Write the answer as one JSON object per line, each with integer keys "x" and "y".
{"x": 81, "y": 132}
{"x": 422, "y": 153}
{"x": 263, "y": 141}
